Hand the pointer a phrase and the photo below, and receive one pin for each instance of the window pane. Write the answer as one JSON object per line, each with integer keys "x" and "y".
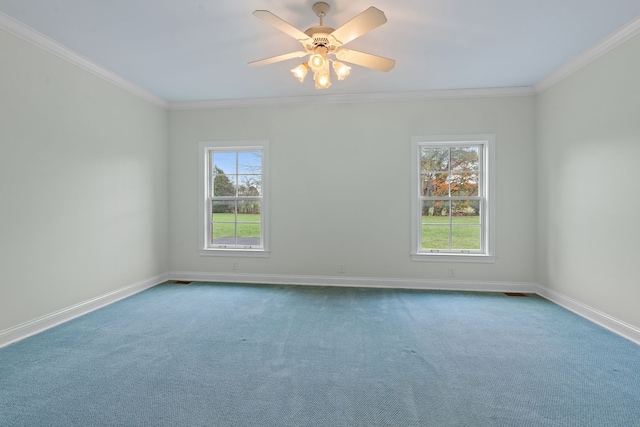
{"x": 435, "y": 236}
{"x": 435, "y": 184}
{"x": 465, "y": 159}
{"x": 223, "y": 210}
{"x": 249, "y": 210}
{"x": 435, "y": 211}
{"x": 464, "y": 184}
{"x": 465, "y": 237}
{"x": 225, "y": 161}
{"x": 250, "y": 162}
{"x": 434, "y": 159}
{"x": 223, "y": 185}
{"x": 249, "y": 234}
{"x": 249, "y": 185}
{"x": 223, "y": 234}
{"x": 466, "y": 211}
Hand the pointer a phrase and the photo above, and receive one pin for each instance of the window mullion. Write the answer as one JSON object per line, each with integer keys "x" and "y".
{"x": 450, "y": 203}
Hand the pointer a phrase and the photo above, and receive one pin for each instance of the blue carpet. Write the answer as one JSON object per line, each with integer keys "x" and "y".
{"x": 258, "y": 355}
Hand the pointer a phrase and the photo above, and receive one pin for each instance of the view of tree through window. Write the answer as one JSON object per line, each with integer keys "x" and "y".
{"x": 236, "y": 198}
{"x": 450, "y": 195}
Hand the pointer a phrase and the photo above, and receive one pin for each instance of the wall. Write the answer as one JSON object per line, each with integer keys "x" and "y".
{"x": 587, "y": 161}
{"x": 340, "y": 179}
{"x": 83, "y": 185}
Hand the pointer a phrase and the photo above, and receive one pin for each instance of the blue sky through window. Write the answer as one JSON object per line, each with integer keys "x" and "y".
{"x": 249, "y": 162}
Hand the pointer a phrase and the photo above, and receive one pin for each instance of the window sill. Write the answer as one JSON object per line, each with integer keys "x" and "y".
{"x": 439, "y": 257}
{"x": 255, "y": 253}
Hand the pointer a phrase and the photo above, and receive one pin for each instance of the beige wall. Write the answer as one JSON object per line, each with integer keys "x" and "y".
{"x": 588, "y": 160}
{"x": 83, "y": 185}
{"x": 340, "y": 180}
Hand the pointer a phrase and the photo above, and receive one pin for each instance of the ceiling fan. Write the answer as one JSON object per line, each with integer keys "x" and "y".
{"x": 320, "y": 41}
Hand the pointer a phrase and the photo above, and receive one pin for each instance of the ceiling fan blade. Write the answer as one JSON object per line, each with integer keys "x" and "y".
{"x": 361, "y": 24}
{"x": 278, "y": 58}
{"x": 281, "y": 25}
{"x": 365, "y": 59}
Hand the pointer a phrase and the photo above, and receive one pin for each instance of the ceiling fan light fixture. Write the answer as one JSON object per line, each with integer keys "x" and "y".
{"x": 301, "y": 71}
{"x": 318, "y": 59}
{"x": 322, "y": 79}
{"x": 342, "y": 70}
{"x": 316, "y": 62}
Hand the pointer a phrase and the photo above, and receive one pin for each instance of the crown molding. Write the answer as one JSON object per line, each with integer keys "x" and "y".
{"x": 32, "y": 36}
{"x": 610, "y": 42}
{"x": 354, "y": 98}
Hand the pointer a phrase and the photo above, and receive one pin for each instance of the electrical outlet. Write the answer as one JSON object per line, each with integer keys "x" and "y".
{"x": 234, "y": 265}
{"x": 341, "y": 269}
{"x": 452, "y": 273}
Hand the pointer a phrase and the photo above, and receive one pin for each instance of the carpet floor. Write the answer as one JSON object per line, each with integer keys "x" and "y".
{"x": 208, "y": 354}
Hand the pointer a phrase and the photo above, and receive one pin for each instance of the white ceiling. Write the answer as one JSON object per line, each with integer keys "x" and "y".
{"x": 198, "y": 50}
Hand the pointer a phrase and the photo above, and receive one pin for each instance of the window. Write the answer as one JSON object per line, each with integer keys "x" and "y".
{"x": 452, "y": 187}
{"x": 233, "y": 208}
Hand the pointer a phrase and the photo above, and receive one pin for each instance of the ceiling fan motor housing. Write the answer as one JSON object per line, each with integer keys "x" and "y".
{"x": 320, "y": 35}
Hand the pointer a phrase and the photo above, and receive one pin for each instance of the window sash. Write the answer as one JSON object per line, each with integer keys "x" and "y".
{"x": 451, "y": 225}
{"x": 240, "y": 240}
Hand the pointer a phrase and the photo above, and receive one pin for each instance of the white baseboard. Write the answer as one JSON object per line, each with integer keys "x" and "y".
{"x": 616, "y": 326}
{"x": 40, "y": 324}
{"x": 367, "y": 282}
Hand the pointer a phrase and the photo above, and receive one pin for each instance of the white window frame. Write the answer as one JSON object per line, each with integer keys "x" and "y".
{"x": 204, "y": 247}
{"x": 487, "y": 251}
